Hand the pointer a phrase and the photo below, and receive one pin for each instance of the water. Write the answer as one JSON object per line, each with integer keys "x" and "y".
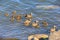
{"x": 40, "y": 10}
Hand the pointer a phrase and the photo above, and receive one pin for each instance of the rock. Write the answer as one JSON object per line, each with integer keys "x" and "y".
{"x": 55, "y": 35}
{"x": 37, "y": 36}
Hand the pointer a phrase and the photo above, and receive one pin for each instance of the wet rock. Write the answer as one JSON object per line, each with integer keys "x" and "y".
{"x": 55, "y": 35}
{"x": 37, "y": 36}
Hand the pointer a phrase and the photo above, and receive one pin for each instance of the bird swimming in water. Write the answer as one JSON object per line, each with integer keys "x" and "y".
{"x": 27, "y": 22}
{"x": 18, "y": 18}
{"x": 35, "y": 24}
{"x": 14, "y": 13}
{"x": 6, "y": 14}
{"x": 28, "y": 16}
{"x": 12, "y": 19}
{"x": 45, "y": 24}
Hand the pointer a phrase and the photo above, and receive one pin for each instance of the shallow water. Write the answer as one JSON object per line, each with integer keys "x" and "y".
{"x": 40, "y": 10}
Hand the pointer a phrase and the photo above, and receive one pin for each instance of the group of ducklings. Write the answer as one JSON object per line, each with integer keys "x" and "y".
{"x": 14, "y": 16}
{"x": 28, "y": 20}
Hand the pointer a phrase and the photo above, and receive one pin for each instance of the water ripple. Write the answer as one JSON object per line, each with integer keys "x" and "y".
{"x": 40, "y": 9}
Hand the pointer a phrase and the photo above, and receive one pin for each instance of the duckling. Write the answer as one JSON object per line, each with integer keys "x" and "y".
{"x": 14, "y": 13}
{"x": 28, "y": 16}
{"x": 27, "y": 22}
{"x": 45, "y": 23}
{"x": 12, "y": 19}
{"x": 35, "y": 24}
{"x": 53, "y": 29}
{"x": 6, "y": 14}
{"x": 18, "y": 18}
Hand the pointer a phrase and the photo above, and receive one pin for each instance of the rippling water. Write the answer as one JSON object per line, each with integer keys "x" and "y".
{"x": 42, "y": 10}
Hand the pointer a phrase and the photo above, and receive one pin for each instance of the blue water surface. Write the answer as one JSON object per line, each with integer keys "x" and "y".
{"x": 40, "y": 10}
